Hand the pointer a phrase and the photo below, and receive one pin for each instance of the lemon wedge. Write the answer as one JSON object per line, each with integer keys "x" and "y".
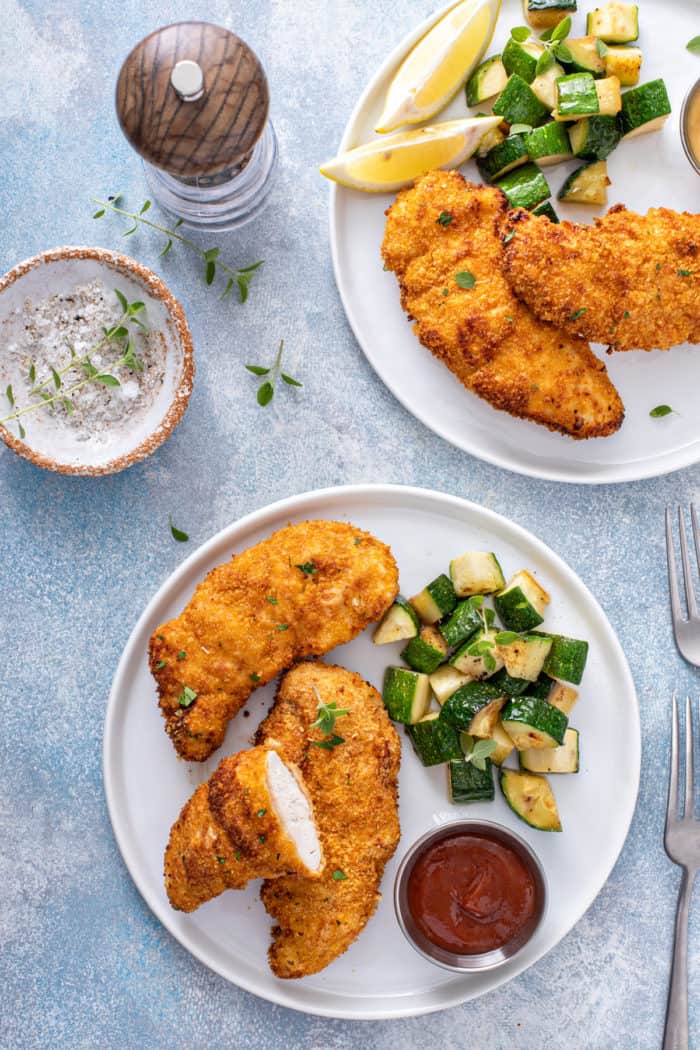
{"x": 439, "y": 64}
{"x": 390, "y": 163}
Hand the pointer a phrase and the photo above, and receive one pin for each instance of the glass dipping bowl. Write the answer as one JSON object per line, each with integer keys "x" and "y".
{"x": 692, "y": 99}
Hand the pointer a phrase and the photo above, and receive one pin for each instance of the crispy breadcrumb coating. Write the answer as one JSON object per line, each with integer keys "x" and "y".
{"x": 485, "y": 336}
{"x": 631, "y": 281}
{"x": 306, "y": 589}
{"x": 354, "y": 791}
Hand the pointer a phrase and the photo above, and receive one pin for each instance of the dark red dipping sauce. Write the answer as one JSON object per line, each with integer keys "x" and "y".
{"x": 470, "y": 894}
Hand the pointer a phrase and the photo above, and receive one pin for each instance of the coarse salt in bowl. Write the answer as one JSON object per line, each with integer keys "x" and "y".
{"x": 53, "y": 309}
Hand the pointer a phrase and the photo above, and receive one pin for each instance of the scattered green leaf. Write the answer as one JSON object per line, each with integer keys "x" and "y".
{"x": 329, "y": 742}
{"x": 187, "y": 696}
{"x": 444, "y": 218}
{"x": 660, "y": 411}
{"x": 255, "y": 677}
{"x": 161, "y": 664}
{"x": 308, "y": 568}
{"x": 465, "y": 279}
{"x": 601, "y": 47}
{"x": 506, "y": 637}
{"x": 177, "y": 534}
{"x": 694, "y": 45}
{"x": 577, "y": 313}
{"x": 339, "y": 875}
{"x": 520, "y": 33}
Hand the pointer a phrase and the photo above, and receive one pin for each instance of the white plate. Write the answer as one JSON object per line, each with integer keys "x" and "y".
{"x": 645, "y": 172}
{"x": 381, "y": 975}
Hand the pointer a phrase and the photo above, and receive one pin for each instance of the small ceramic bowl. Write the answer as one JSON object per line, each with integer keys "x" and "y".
{"x": 61, "y": 449}
{"x": 693, "y": 96}
{"x": 486, "y": 960}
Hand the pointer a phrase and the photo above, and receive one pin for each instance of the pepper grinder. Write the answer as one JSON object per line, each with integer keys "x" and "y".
{"x": 192, "y": 99}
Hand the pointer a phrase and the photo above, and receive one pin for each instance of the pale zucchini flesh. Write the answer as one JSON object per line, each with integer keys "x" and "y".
{"x": 625, "y": 63}
{"x": 398, "y": 623}
{"x": 561, "y": 759}
{"x": 484, "y": 722}
{"x": 531, "y": 798}
{"x": 476, "y": 572}
{"x": 446, "y": 681}
{"x": 614, "y": 23}
{"x": 504, "y": 744}
{"x": 525, "y": 657}
{"x": 478, "y": 665}
{"x": 587, "y": 185}
{"x": 562, "y": 696}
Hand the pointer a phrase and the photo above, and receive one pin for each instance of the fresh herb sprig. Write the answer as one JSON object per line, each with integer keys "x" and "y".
{"x": 266, "y": 390}
{"x": 477, "y": 751}
{"x": 554, "y": 47}
{"x": 239, "y": 276}
{"x": 694, "y": 45}
{"x": 117, "y": 335}
{"x": 327, "y": 715}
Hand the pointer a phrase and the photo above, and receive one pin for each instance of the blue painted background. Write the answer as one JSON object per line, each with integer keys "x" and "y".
{"x": 83, "y": 964}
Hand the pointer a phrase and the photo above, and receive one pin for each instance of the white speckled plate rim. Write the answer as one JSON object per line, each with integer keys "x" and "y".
{"x": 425, "y": 387}
{"x": 145, "y": 784}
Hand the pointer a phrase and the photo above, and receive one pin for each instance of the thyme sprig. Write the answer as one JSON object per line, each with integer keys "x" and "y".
{"x": 266, "y": 390}
{"x": 327, "y": 714}
{"x": 118, "y": 334}
{"x": 239, "y": 277}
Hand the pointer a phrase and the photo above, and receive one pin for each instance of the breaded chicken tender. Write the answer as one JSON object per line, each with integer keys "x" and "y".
{"x": 353, "y": 787}
{"x": 306, "y": 589}
{"x": 485, "y": 336}
{"x": 252, "y": 819}
{"x": 632, "y": 281}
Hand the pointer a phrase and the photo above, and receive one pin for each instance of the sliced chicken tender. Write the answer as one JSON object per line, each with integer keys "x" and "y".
{"x": 306, "y": 589}
{"x": 354, "y": 791}
{"x": 252, "y": 819}
{"x": 492, "y": 343}
{"x": 631, "y": 281}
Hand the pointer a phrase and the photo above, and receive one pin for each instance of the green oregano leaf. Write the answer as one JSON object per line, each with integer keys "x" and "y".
{"x": 177, "y": 534}
{"x": 265, "y": 394}
{"x": 660, "y": 411}
{"x": 465, "y": 279}
{"x": 694, "y": 45}
{"x": 520, "y": 33}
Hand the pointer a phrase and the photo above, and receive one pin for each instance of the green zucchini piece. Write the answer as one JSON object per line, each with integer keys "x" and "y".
{"x": 504, "y": 745}
{"x": 531, "y": 722}
{"x": 587, "y": 185}
{"x": 509, "y": 685}
{"x": 562, "y": 696}
{"x": 545, "y": 86}
{"x": 546, "y": 209}
{"x": 526, "y": 657}
{"x": 531, "y": 798}
{"x": 446, "y": 681}
{"x": 435, "y": 741}
{"x": 427, "y": 651}
{"x": 644, "y": 108}
{"x": 615, "y": 23}
{"x": 585, "y": 56}
{"x": 503, "y": 158}
{"x": 478, "y": 657}
{"x": 562, "y": 759}
{"x": 398, "y": 622}
{"x": 436, "y": 600}
{"x": 521, "y": 57}
{"x": 625, "y": 63}
{"x": 594, "y": 138}
{"x": 487, "y": 80}
{"x": 465, "y": 621}
{"x": 518, "y": 104}
{"x": 567, "y": 657}
{"x": 406, "y": 694}
{"x": 474, "y": 706}
{"x": 522, "y": 603}
{"x": 476, "y": 572}
{"x": 546, "y": 14}
{"x": 542, "y": 687}
{"x": 548, "y": 144}
{"x": 469, "y": 784}
{"x": 609, "y": 97}
{"x": 576, "y": 96}
{"x": 525, "y": 187}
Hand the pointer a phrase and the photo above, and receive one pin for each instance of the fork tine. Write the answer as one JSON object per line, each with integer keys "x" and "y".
{"x": 687, "y": 573}
{"x": 672, "y": 575}
{"x": 689, "y": 804}
{"x": 696, "y": 530}
{"x": 672, "y": 807}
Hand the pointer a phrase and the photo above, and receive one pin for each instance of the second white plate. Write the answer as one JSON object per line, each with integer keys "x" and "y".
{"x": 380, "y": 976}
{"x": 649, "y": 171}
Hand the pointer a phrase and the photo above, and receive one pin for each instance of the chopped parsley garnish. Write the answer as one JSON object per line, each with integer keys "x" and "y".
{"x": 509, "y": 237}
{"x": 444, "y": 218}
{"x": 237, "y": 854}
{"x": 660, "y": 410}
{"x": 358, "y": 541}
{"x": 261, "y": 838}
{"x": 181, "y": 655}
{"x": 329, "y": 743}
{"x": 685, "y": 273}
{"x": 465, "y": 279}
{"x": 308, "y": 568}
{"x": 271, "y": 600}
{"x": 221, "y": 860}
{"x": 445, "y": 291}
{"x": 255, "y": 677}
{"x": 626, "y": 314}
{"x": 262, "y": 812}
{"x": 282, "y": 626}
{"x": 186, "y": 696}
{"x": 339, "y": 875}
{"x": 577, "y": 313}
{"x": 161, "y": 663}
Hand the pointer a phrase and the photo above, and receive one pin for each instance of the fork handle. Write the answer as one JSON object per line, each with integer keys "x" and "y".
{"x": 676, "y": 1031}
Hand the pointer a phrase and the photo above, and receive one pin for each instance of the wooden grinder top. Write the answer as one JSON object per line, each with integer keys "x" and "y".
{"x": 215, "y": 128}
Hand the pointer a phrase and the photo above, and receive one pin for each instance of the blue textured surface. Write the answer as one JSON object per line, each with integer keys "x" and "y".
{"x": 83, "y": 964}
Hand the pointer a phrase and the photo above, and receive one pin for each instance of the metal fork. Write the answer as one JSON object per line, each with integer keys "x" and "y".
{"x": 682, "y": 844}
{"x": 687, "y": 632}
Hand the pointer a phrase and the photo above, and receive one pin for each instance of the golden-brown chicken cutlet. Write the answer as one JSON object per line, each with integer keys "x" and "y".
{"x": 353, "y": 787}
{"x": 306, "y": 589}
{"x": 252, "y": 819}
{"x": 632, "y": 281}
{"x": 492, "y": 343}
